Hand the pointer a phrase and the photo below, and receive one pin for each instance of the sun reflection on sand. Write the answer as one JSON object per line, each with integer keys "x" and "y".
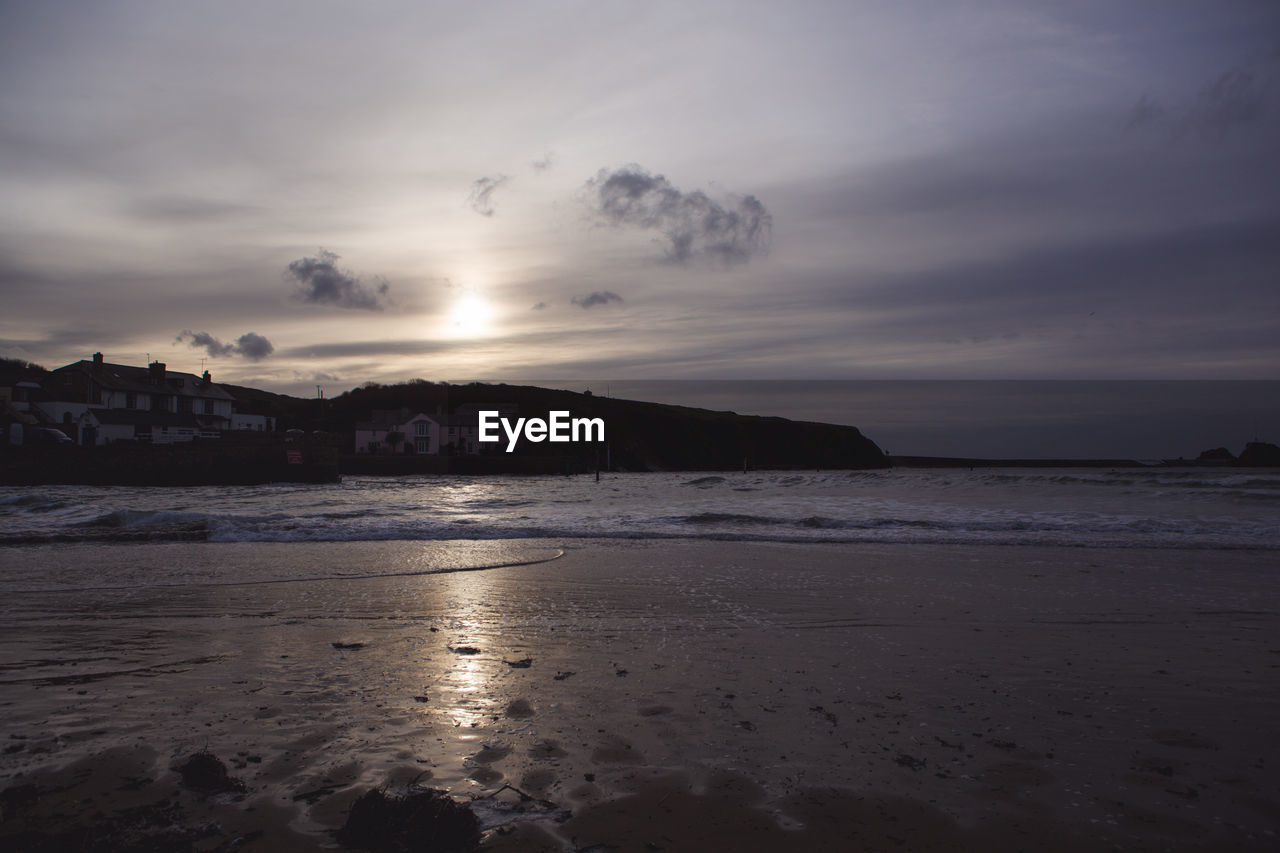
{"x": 466, "y": 654}
{"x": 464, "y": 699}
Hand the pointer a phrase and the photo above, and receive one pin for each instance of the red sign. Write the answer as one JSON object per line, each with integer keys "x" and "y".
{"x": 295, "y": 457}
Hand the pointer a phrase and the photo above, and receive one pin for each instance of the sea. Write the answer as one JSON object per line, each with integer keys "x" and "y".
{"x": 1156, "y": 507}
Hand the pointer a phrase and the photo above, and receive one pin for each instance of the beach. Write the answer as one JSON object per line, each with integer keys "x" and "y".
{"x": 632, "y": 695}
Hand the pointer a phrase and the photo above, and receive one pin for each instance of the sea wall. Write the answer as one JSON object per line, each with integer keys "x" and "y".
{"x": 193, "y": 463}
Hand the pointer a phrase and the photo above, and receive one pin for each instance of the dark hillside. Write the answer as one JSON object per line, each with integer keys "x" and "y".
{"x": 639, "y": 436}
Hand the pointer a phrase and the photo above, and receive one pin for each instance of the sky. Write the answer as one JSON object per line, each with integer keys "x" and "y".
{"x": 303, "y": 194}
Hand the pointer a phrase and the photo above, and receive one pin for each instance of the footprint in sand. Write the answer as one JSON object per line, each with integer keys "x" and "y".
{"x": 546, "y": 750}
{"x": 492, "y": 752}
{"x": 615, "y": 750}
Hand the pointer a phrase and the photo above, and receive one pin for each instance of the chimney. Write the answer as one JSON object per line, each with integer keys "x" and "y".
{"x": 208, "y": 379}
{"x": 157, "y": 372}
{"x": 97, "y": 361}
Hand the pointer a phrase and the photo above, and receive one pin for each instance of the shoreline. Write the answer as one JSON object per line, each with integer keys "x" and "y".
{"x": 943, "y": 695}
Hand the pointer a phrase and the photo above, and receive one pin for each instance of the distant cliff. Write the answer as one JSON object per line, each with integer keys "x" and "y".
{"x": 1260, "y": 454}
{"x": 639, "y": 436}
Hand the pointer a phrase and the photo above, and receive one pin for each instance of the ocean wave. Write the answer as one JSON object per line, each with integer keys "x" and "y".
{"x": 195, "y": 531}
{"x": 33, "y": 503}
{"x": 728, "y": 518}
{"x": 1001, "y": 507}
{"x": 497, "y": 503}
{"x": 137, "y": 518}
{"x": 704, "y": 482}
{"x": 1144, "y": 534}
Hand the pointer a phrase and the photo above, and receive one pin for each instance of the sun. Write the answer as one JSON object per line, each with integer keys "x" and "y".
{"x": 471, "y": 316}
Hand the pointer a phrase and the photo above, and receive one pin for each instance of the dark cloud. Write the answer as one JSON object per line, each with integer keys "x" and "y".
{"x": 539, "y": 307}
{"x": 545, "y": 162}
{"x": 696, "y": 225}
{"x": 249, "y": 345}
{"x": 482, "y": 190}
{"x": 214, "y": 347}
{"x": 1238, "y": 98}
{"x": 599, "y": 297}
{"x": 322, "y": 283}
{"x": 254, "y": 347}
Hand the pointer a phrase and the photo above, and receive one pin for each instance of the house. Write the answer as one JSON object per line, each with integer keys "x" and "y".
{"x": 19, "y": 390}
{"x": 253, "y": 423}
{"x": 19, "y": 386}
{"x": 97, "y": 402}
{"x": 461, "y": 433}
{"x": 392, "y": 431}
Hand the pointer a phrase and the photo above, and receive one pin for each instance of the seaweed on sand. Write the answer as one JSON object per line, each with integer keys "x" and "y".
{"x": 425, "y": 819}
{"x": 203, "y": 772}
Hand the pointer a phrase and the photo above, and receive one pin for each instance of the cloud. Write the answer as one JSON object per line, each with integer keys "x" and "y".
{"x": 254, "y": 347}
{"x": 734, "y": 231}
{"x": 545, "y": 162}
{"x": 1238, "y": 98}
{"x": 249, "y": 345}
{"x": 211, "y": 345}
{"x": 1235, "y": 97}
{"x": 316, "y": 376}
{"x": 322, "y": 283}
{"x": 184, "y": 209}
{"x": 600, "y": 297}
{"x": 380, "y": 350}
{"x": 482, "y": 190}
{"x": 539, "y": 307}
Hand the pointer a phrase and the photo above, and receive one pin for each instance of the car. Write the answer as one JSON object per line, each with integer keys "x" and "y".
{"x": 47, "y": 435}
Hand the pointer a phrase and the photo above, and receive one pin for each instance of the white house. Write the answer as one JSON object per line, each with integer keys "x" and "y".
{"x": 96, "y": 402}
{"x": 253, "y": 423}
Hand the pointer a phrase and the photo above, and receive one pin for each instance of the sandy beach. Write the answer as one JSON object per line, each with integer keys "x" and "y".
{"x": 644, "y": 696}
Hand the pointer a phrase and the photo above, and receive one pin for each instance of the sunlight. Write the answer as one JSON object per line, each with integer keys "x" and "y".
{"x": 470, "y": 317}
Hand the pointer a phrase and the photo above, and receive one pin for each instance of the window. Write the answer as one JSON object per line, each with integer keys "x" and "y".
{"x": 131, "y": 399}
{"x": 422, "y": 445}
{"x": 208, "y": 407}
{"x": 420, "y": 429}
{"x": 184, "y": 405}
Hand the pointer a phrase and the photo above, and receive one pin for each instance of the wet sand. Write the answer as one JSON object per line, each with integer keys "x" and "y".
{"x": 646, "y": 696}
